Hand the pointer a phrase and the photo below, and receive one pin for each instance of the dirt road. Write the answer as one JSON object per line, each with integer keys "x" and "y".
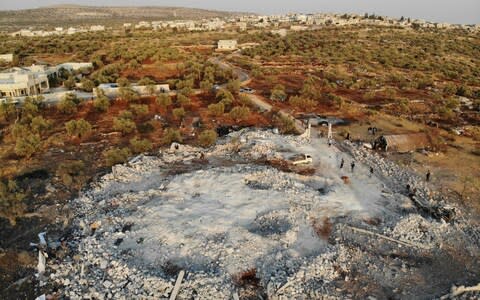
{"x": 262, "y": 105}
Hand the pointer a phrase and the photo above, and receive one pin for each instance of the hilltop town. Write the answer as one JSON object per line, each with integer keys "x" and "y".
{"x": 294, "y": 22}
{"x": 173, "y": 153}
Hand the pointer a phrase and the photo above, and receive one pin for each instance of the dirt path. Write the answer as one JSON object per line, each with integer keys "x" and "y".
{"x": 244, "y": 78}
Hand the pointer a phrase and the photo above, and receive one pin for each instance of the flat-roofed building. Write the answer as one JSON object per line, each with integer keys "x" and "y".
{"x": 23, "y": 82}
{"x": 33, "y": 80}
{"x": 6, "y": 57}
{"x": 227, "y": 45}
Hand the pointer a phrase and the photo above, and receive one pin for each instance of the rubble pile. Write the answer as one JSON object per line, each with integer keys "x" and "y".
{"x": 140, "y": 225}
{"x": 403, "y": 181}
{"x": 414, "y": 228}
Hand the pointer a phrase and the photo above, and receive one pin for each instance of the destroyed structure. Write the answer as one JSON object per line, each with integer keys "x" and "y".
{"x": 233, "y": 222}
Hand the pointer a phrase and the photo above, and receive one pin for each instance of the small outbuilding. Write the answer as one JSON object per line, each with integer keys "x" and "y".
{"x": 402, "y": 142}
{"x": 227, "y": 45}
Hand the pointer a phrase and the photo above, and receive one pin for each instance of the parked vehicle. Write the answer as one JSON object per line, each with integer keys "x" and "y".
{"x": 247, "y": 90}
{"x": 302, "y": 159}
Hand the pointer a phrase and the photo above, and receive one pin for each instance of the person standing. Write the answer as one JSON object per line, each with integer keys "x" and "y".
{"x": 428, "y": 176}
{"x": 371, "y": 171}
{"x": 352, "y": 165}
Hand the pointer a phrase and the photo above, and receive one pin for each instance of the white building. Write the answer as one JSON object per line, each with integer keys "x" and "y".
{"x": 33, "y": 80}
{"x": 97, "y": 28}
{"x": 214, "y": 25}
{"x": 6, "y": 57}
{"x": 143, "y": 24}
{"x": 281, "y": 32}
{"x": 242, "y": 26}
{"x": 112, "y": 90}
{"x": 23, "y": 82}
{"x": 227, "y": 45}
{"x": 298, "y": 28}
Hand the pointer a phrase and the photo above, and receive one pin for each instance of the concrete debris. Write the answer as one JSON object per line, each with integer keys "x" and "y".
{"x": 457, "y": 291}
{"x": 404, "y": 243}
{"x": 161, "y": 221}
{"x": 42, "y": 260}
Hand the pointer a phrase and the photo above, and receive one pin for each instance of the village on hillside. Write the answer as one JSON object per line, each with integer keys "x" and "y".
{"x": 296, "y": 156}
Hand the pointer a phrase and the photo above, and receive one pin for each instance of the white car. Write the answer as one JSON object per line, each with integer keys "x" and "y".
{"x": 247, "y": 90}
{"x": 304, "y": 159}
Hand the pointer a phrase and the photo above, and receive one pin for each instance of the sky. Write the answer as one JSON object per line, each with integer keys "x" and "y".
{"x": 450, "y": 11}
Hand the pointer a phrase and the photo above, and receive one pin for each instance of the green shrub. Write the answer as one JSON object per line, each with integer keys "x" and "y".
{"x": 178, "y": 113}
{"x": 146, "y": 127}
{"x": 139, "y": 146}
{"x": 171, "y": 135}
{"x": 78, "y": 128}
{"x": 72, "y": 173}
{"x": 285, "y": 124}
{"x": 216, "y": 109}
{"x": 116, "y": 156}
{"x": 125, "y": 126}
{"x": 101, "y": 103}
{"x": 30, "y": 108}
{"x": 69, "y": 83}
{"x": 11, "y": 201}
{"x": 450, "y": 89}
{"x": 233, "y": 86}
{"x": 68, "y": 105}
{"x": 278, "y": 93}
{"x": 123, "y": 82}
{"x": 8, "y": 109}
{"x": 128, "y": 94}
{"x": 87, "y": 84}
{"x": 27, "y": 145}
{"x": 206, "y": 86}
{"x": 183, "y": 100}
{"x": 370, "y": 95}
{"x": 164, "y": 100}
{"x": 139, "y": 109}
{"x": 125, "y": 114}
{"x": 207, "y": 138}
{"x": 245, "y": 101}
{"x": 302, "y": 103}
{"x": 240, "y": 113}
{"x": 18, "y": 130}
{"x": 223, "y": 94}
{"x": 39, "y": 125}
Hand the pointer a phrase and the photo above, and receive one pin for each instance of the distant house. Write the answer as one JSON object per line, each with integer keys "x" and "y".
{"x": 112, "y": 90}
{"x": 281, "y": 32}
{"x": 227, "y": 45}
{"x": 97, "y": 28}
{"x": 242, "y": 26}
{"x": 402, "y": 143}
{"x": 6, "y": 57}
{"x": 298, "y": 28}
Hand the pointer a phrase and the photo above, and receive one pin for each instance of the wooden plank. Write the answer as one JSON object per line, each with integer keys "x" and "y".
{"x": 176, "y": 288}
{"x": 404, "y": 243}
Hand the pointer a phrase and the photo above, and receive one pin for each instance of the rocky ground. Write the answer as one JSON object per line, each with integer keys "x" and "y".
{"x": 242, "y": 228}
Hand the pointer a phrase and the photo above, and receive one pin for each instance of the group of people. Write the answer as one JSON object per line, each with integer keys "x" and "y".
{"x": 352, "y": 165}
{"x": 372, "y": 130}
